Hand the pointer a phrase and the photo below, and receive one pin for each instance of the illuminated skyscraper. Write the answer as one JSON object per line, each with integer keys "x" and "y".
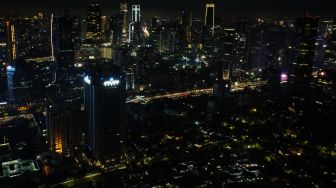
{"x": 64, "y": 126}
{"x": 94, "y": 25}
{"x": 306, "y": 29}
{"x": 209, "y": 20}
{"x": 331, "y": 46}
{"x": 65, "y": 40}
{"x": 187, "y": 28}
{"x": 135, "y": 25}
{"x": 136, "y": 14}
{"x": 123, "y": 14}
{"x": 11, "y": 41}
{"x": 3, "y": 44}
{"x": 104, "y": 102}
{"x": 10, "y": 83}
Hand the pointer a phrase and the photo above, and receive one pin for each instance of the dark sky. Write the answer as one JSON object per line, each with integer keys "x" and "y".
{"x": 224, "y": 7}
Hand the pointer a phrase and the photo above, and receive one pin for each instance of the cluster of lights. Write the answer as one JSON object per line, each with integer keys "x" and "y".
{"x": 111, "y": 83}
{"x": 108, "y": 83}
{"x": 10, "y": 68}
{"x": 87, "y": 80}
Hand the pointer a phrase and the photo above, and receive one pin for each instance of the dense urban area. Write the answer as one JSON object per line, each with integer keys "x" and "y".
{"x": 120, "y": 100}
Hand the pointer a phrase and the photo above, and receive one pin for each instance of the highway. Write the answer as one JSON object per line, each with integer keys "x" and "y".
{"x": 237, "y": 86}
{"x": 70, "y": 182}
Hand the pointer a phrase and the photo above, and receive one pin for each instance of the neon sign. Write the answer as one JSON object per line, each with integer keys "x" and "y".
{"x": 111, "y": 83}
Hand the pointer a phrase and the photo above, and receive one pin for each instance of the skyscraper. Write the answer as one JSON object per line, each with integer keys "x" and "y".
{"x": 135, "y": 25}
{"x": 209, "y": 20}
{"x": 94, "y": 25}
{"x": 306, "y": 29}
{"x": 3, "y": 44}
{"x": 136, "y": 14}
{"x": 64, "y": 125}
{"x": 187, "y": 29}
{"x": 65, "y": 41}
{"x": 10, "y": 84}
{"x": 331, "y": 46}
{"x": 11, "y": 41}
{"x": 104, "y": 103}
{"x": 124, "y": 22}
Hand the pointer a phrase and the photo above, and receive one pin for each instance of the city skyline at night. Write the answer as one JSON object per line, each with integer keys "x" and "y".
{"x": 225, "y": 7}
{"x": 145, "y": 93}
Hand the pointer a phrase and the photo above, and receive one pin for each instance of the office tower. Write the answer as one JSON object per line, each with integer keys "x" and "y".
{"x": 65, "y": 128}
{"x": 197, "y": 31}
{"x": 65, "y": 42}
{"x": 104, "y": 103}
{"x": 320, "y": 51}
{"x": 228, "y": 50}
{"x": 3, "y": 44}
{"x": 135, "y": 25}
{"x": 145, "y": 62}
{"x": 39, "y": 36}
{"x": 256, "y": 51}
{"x": 209, "y": 21}
{"x": 208, "y": 34}
{"x": 11, "y": 41}
{"x": 276, "y": 57}
{"x": 136, "y": 14}
{"x": 325, "y": 28}
{"x": 243, "y": 35}
{"x": 330, "y": 53}
{"x": 94, "y": 25}
{"x": 306, "y": 29}
{"x": 10, "y": 83}
{"x": 187, "y": 29}
{"x": 22, "y": 35}
{"x": 124, "y": 22}
{"x": 105, "y": 50}
{"x": 170, "y": 36}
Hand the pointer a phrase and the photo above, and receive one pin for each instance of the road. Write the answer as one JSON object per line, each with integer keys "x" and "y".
{"x": 237, "y": 86}
{"x": 70, "y": 182}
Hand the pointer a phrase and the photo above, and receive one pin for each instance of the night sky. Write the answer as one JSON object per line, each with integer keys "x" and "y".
{"x": 321, "y": 7}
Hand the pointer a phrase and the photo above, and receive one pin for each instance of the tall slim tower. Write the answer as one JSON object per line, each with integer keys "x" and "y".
{"x": 209, "y": 20}
{"x": 135, "y": 25}
{"x": 306, "y": 32}
{"x": 123, "y": 12}
{"x": 104, "y": 102}
{"x": 3, "y": 44}
{"x": 65, "y": 51}
{"x": 136, "y": 14}
{"x": 94, "y": 25}
{"x": 11, "y": 41}
{"x": 331, "y": 46}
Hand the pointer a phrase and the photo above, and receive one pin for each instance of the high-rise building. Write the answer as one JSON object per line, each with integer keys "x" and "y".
{"x": 209, "y": 20}
{"x": 135, "y": 24}
{"x": 242, "y": 43}
{"x": 11, "y": 41}
{"x": 10, "y": 83}
{"x": 187, "y": 29}
{"x": 124, "y": 20}
{"x": 65, "y": 42}
{"x": 3, "y": 44}
{"x": 104, "y": 103}
{"x": 330, "y": 53}
{"x": 228, "y": 50}
{"x": 144, "y": 64}
{"x": 65, "y": 128}
{"x": 94, "y": 25}
{"x": 136, "y": 14}
{"x": 306, "y": 29}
